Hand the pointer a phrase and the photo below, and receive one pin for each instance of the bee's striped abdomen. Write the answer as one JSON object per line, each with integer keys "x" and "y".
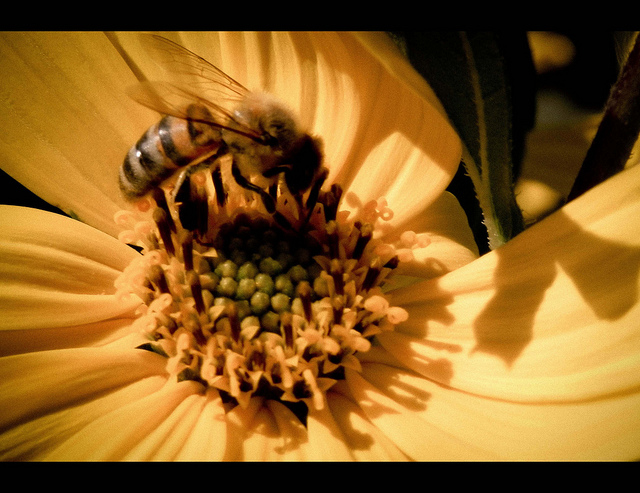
{"x": 170, "y": 144}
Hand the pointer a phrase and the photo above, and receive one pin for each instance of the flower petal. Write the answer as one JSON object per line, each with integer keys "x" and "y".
{"x": 35, "y": 438}
{"x": 408, "y": 145}
{"x": 263, "y": 439}
{"x": 133, "y": 422}
{"x": 268, "y": 431}
{"x": 276, "y": 434}
{"x": 326, "y": 439}
{"x": 170, "y": 436}
{"x": 396, "y": 412}
{"x": 49, "y": 338}
{"x": 365, "y": 441}
{"x": 65, "y": 268}
{"x": 431, "y": 422}
{"x": 450, "y": 242}
{"x": 549, "y": 317}
{"x": 251, "y": 432}
{"x": 208, "y": 437}
{"x": 67, "y": 122}
{"x": 294, "y": 444}
{"x": 33, "y": 382}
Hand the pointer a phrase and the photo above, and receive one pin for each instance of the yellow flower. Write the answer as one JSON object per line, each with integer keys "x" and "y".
{"x": 529, "y": 352}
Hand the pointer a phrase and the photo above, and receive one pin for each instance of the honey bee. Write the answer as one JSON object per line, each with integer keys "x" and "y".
{"x": 219, "y": 118}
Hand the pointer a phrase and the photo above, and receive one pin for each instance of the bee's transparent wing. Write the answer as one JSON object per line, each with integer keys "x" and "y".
{"x": 185, "y": 67}
{"x": 191, "y": 79}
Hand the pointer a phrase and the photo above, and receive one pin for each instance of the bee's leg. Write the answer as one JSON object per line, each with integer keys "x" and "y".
{"x": 191, "y": 200}
{"x": 270, "y": 173}
{"x": 182, "y": 188}
{"x": 221, "y": 194}
{"x": 188, "y": 205}
{"x": 276, "y": 170}
{"x": 216, "y": 174}
{"x": 268, "y": 201}
{"x": 273, "y": 191}
{"x": 241, "y": 180}
{"x": 312, "y": 199}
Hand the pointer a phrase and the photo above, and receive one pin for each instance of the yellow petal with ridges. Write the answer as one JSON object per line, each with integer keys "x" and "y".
{"x": 164, "y": 442}
{"x": 133, "y": 422}
{"x": 33, "y": 439}
{"x": 61, "y": 266}
{"x": 549, "y": 317}
{"x": 365, "y": 441}
{"x": 326, "y": 439}
{"x": 208, "y": 438}
{"x": 400, "y": 419}
{"x": 449, "y": 241}
{"x": 32, "y": 381}
{"x": 66, "y": 120}
{"x": 429, "y": 421}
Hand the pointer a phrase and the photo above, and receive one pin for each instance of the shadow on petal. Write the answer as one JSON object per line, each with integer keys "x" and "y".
{"x": 604, "y": 272}
{"x": 426, "y": 303}
{"x": 411, "y": 343}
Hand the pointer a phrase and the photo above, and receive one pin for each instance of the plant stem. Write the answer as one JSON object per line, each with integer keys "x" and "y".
{"x": 618, "y": 130}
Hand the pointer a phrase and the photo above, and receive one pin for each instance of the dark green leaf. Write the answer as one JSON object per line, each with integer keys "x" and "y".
{"x": 475, "y": 75}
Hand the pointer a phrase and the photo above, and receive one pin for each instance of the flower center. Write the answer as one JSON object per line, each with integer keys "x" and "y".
{"x": 256, "y": 303}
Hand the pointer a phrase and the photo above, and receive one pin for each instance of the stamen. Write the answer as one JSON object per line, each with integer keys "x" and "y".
{"x": 196, "y": 291}
{"x": 160, "y": 218}
{"x": 287, "y": 329}
{"x": 331, "y": 202}
{"x": 304, "y": 293}
{"x": 333, "y": 239}
{"x": 232, "y": 314}
{"x": 364, "y": 237}
{"x": 201, "y": 339}
{"x": 372, "y": 275}
{"x": 158, "y": 278}
{"x": 392, "y": 263}
{"x": 281, "y": 220}
{"x": 283, "y": 301}
{"x": 338, "y": 306}
{"x": 161, "y": 201}
{"x": 187, "y": 251}
{"x": 336, "y": 273}
{"x": 318, "y": 398}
